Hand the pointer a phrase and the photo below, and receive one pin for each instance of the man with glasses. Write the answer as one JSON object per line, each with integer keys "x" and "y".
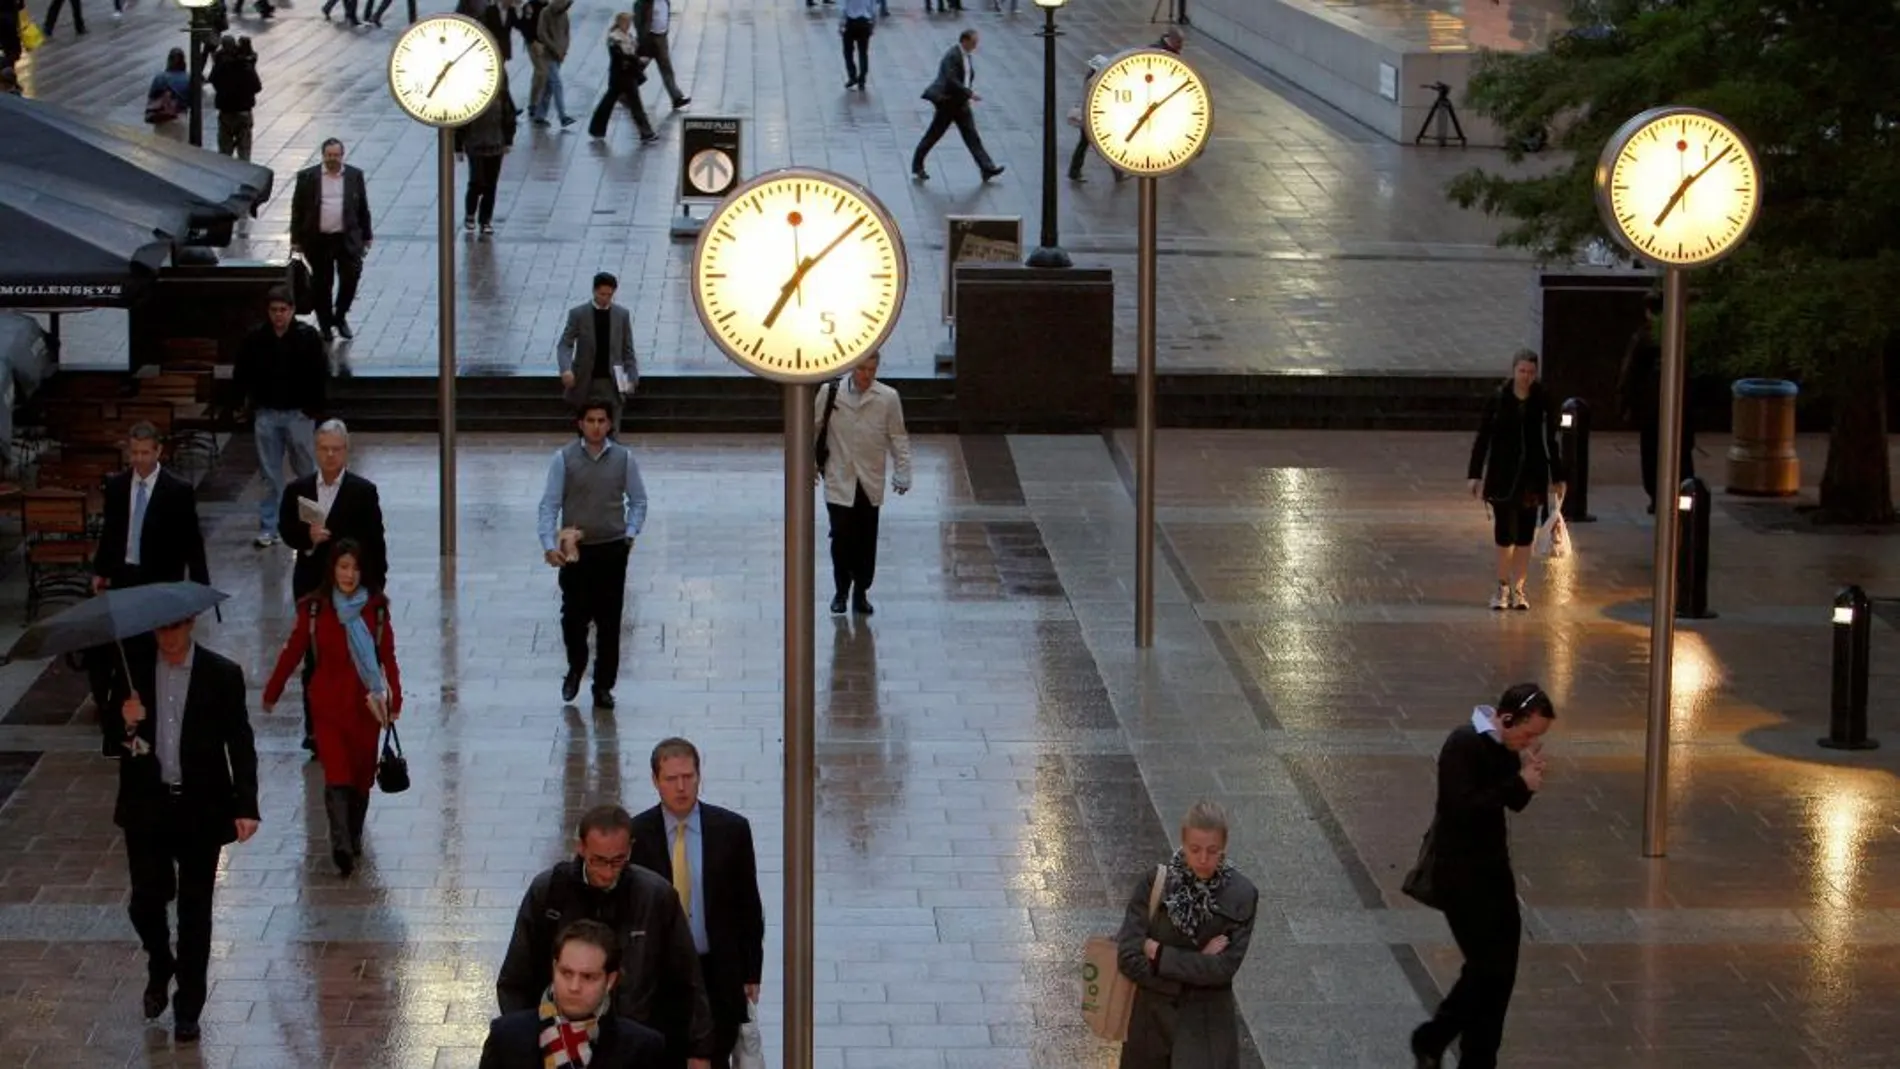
{"x": 660, "y": 984}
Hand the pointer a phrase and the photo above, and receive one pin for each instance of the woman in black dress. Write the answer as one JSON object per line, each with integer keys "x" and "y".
{"x": 1516, "y": 466}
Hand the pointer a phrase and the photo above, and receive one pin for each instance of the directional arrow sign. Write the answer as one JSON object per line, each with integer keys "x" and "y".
{"x": 709, "y": 158}
{"x": 710, "y": 172}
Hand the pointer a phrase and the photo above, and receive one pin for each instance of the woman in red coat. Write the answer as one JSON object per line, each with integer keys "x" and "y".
{"x": 354, "y": 692}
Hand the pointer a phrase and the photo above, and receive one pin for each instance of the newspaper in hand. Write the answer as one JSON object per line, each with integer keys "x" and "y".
{"x": 310, "y": 512}
{"x": 621, "y": 382}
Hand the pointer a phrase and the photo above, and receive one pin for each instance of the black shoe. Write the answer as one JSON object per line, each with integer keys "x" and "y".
{"x": 329, "y": 334}
{"x": 570, "y": 686}
{"x": 1077, "y": 176}
{"x": 837, "y": 605}
{"x": 157, "y": 995}
{"x": 649, "y": 137}
{"x": 862, "y": 605}
{"x": 994, "y": 171}
{"x": 345, "y": 862}
{"x": 920, "y": 175}
{"x": 683, "y": 101}
{"x": 343, "y": 326}
{"x": 185, "y": 1031}
{"x": 311, "y": 745}
{"x": 1422, "y": 1058}
{"x": 603, "y": 699}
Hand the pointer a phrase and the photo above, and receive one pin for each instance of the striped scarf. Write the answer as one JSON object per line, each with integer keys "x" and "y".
{"x": 565, "y": 1042}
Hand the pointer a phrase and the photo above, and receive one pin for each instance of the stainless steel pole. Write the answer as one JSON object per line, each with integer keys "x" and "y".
{"x": 1145, "y": 422}
{"x": 445, "y": 327}
{"x": 800, "y": 758}
{"x": 1662, "y": 619}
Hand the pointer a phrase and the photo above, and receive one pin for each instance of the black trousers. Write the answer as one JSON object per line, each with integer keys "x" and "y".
{"x": 857, "y": 36}
{"x": 169, "y": 862}
{"x": 960, "y": 116}
{"x": 853, "y": 543}
{"x": 728, "y": 1013}
{"x": 1648, "y": 438}
{"x": 593, "y": 589}
{"x": 1487, "y": 929}
{"x": 622, "y": 87}
{"x": 349, "y": 9}
{"x": 334, "y": 270}
{"x": 52, "y": 17}
{"x": 10, "y": 48}
{"x": 484, "y": 171}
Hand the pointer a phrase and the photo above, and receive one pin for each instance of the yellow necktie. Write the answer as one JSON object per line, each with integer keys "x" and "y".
{"x": 682, "y": 874}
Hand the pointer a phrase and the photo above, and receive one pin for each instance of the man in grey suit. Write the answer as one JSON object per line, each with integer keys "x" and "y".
{"x": 951, "y": 93}
{"x": 598, "y": 338}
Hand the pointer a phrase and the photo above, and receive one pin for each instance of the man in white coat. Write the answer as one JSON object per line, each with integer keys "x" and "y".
{"x": 861, "y": 421}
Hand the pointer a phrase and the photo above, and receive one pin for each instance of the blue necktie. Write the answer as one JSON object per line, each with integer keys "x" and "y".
{"x": 138, "y": 521}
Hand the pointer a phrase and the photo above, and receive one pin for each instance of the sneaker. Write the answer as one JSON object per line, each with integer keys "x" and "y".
{"x": 1518, "y": 600}
{"x": 682, "y": 102}
{"x": 265, "y": 541}
{"x": 1501, "y": 599}
{"x": 488, "y": 230}
{"x": 468, "y": 225}
{"x": 567, "y": 121}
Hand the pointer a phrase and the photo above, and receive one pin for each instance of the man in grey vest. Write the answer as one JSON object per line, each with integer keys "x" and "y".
{"x": 591, "y": 511}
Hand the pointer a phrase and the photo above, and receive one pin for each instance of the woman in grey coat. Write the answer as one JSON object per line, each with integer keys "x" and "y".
{"x": 1183, "y": 959}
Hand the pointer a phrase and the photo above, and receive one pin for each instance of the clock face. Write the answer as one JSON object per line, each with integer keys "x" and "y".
{"x": 445, "y": 70}
{"x": 1678, "y": 186}
{"x": 1148, "y": 112}
{"x": 798, "y": 275}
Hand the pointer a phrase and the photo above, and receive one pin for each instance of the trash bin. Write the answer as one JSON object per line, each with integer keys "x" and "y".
{"x": 1761, "y": 459}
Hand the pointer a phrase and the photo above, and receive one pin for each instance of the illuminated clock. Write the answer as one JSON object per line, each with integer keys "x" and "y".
{"x": 798, "y": 275}
{"x": 445, "y": 70}
{"x": 1678, "y": 186}
{"x": 1148, "y": 113}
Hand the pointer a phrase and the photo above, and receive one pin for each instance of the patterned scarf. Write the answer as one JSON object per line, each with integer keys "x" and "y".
{"x": 565, "y": 1042}
{"x": 1191, "y": 901}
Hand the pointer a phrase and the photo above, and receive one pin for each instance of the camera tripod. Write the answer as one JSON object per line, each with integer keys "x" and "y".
{"x": 1442, "y": 112}
{"x": 1177, "y": 12}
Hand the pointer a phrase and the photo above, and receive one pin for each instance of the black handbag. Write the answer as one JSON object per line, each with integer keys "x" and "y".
{"x": 392, "y": 770}
{"x": 821, "y": 450}
{"x": 303, "y": 292}
{"x": 1418, "y": 882}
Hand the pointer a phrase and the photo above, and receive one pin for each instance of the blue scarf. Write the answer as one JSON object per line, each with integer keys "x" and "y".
{"x": 349, "y": 610}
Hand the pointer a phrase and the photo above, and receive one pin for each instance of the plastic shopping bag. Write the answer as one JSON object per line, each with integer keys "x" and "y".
{"x": 750, "y": 1053}
{"x": 1553, "y": 538}
{"x": 30, "y": 35}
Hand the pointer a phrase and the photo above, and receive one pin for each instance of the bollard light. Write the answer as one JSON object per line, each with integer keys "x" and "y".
{"x": 208, "y": 20}
{"x": 1048, "y": 251}
{"x": 1573, "y": 443}
{"x": 1853, "y": 644}
{"x": 1692, "y": 551}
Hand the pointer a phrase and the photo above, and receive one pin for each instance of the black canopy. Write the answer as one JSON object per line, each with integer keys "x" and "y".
{"x": 70, "y": 245}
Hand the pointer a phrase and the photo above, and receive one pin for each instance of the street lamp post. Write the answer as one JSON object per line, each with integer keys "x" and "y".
{"x": 1048, "y": 252}
{"x": 203, "y": 25}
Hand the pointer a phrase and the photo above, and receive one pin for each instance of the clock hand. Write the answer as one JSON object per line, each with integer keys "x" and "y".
{"x": 797, "y": 260}
{"x": 1676, "y": 197}
{"x": 437, "y": 84}
{"x": 1152, "y": 108}
{"x": 791, "y": 284}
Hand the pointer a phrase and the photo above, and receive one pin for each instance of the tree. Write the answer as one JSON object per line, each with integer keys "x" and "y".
{"x": 1815, "y": 290}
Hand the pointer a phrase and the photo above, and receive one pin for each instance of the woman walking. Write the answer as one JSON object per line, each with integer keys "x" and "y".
{"x": 625, "y": 73}
{"x": 1493, "y": 763}
{"x": 485, "y": 140}
{"x": 354, "y": 692}
{"x": 1183, "y": 958}
{"x": 1515, "y": 465}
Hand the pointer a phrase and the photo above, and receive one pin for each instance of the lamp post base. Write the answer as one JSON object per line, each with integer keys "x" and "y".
{"x": 1049, "y": 256}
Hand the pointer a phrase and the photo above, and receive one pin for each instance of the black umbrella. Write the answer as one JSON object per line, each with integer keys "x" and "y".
{"x": 73, "y": 245}
{"x": 112, "y": 616}
{"x": 71, "y": 147}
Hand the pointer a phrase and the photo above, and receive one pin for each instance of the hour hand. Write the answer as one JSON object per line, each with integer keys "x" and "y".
{"x": 1152, "y": 108}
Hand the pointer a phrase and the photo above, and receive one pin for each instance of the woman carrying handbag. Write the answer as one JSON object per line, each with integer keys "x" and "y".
{"x": 355, "y": 691}
{"x": 1183, "y": 957}
{"x": 1516, "y": 467}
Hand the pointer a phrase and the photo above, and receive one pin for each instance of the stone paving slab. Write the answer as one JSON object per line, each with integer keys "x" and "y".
{"x": 1300, "y": 242}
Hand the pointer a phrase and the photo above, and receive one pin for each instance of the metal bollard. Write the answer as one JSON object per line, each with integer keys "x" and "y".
{"x": 1853, "y": 641}
{"x": 1692, "y": 551}
{"x": 1573, "y": 440}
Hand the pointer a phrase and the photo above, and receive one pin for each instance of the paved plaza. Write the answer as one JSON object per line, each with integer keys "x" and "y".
{"x": 997, "y": 764}
{"x": 1301, "y": 242}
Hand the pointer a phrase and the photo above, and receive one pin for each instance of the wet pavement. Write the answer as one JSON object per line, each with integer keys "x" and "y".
{"x": 1294, "y": 215}
{"x": 998, "y": 764}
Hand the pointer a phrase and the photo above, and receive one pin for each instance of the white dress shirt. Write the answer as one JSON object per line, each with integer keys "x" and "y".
{"x": 969, "y": 70}
{"x": 135, "y": 523}
{"x": 330, "y": 202}
{"x": 661, "y": 18}
{"x": 326, "y": 492}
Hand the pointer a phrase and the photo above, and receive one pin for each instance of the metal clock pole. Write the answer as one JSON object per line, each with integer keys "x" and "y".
{"x": 1662, "y": 620}
{"x": 800, "y": 716}
{"x": 1145, "y": 420}
{"x": 445, "y": 327}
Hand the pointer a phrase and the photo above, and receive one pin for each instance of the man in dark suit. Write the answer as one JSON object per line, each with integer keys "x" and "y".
{"x": 660, "y": 983}
{"x": 707, "y": 853}
{"x": 598, "y": 338}
{"x": 151, "y": 535}
{"x": 569, "y": 1020}
{"x": 330, "y": 225}
{"x": 187, "y": 788}
{"x": 351, "y": 509}
{"x": 951, "y": 93}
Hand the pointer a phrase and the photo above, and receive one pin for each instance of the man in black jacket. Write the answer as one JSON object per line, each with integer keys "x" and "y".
{"x": 951, "y": 93}
{"x": 234, "y": 78}
{"x": 151, "y": 535}
{"x": 660, "y": 982}
{"x": 283, "y": 372}
{"x": 187, "y": 788}
{"x": 1639, "y": 398}
{"x": 718, "y": 884}
{"x": 1493, "y": 763}
{"x": 330, "y": 226}
{"x": 586, "y": 970}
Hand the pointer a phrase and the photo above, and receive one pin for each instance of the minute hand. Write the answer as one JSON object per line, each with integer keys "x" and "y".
{"x": 1152, "y": 108}
{"x": 437, "y": 84}
{"x": 804, "y": 268}
{"x": 1676, "y": 197}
